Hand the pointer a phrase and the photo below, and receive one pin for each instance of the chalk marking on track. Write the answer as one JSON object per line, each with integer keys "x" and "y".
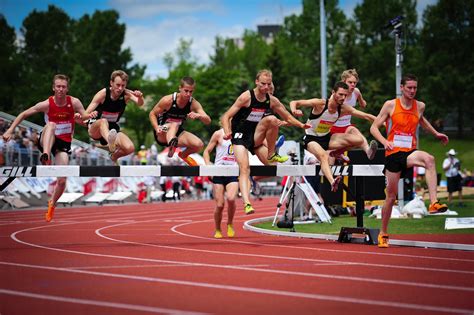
{"x": 283, "y": 272}
{"x": 256, "y": 290}
{"x": 131, "y": 307}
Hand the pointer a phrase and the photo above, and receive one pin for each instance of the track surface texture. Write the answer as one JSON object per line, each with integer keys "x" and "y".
{"x": 162, "y": 258}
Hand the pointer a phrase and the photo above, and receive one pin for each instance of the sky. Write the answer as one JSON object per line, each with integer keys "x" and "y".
{"x": 154, "y": 27}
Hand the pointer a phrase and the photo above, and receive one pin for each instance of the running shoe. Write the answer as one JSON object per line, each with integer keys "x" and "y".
{"x": 44, "y": 159}
{"x": 335, "y": 183}
{"x": 49, "y": 215}
{"x": 437, "y": 207}
{"x": 280, "y": 142}
{"x": 373, "y": 146}
{"x": 230, "y": 230}
{"x": 278, "y": 158}
{"x": 111, "y": 139}
{"x": 189, "y": 160}
{"x": 248, "y": 208}
{"x": 172, "y": 145}
{"x": 382, "y": 240}
{"x": 218, "y": 234}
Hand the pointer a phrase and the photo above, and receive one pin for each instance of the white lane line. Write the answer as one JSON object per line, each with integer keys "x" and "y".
{"x": 198, "y": 209}
{"x": 99, "y": 233}
{"x": 302, "y": 295}
{"x": 131, "y": 307}
{"x": 125, "y": 266}
{"x": 230, "y": 267}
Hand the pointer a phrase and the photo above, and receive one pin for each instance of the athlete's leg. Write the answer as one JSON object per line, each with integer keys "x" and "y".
{"x": 191, "y": 142}
{"x": 231, "y": 194}
{"x": 124, "y": 146}
{"x": 242, "y": 158}
{"x": 345, "y": 141}
{"x": 421, "y": 158}
{"x": 267, "y": 129}
{"x": 365, "y": 145}
{"x": 219, "y": 198}
{"x": 47, "y": 142}
{"x": 390, "y": 197}
{"x": 323, "y": 158}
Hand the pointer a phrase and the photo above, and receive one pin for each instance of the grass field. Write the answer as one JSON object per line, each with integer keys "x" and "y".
{"x": 426, "y": 225}
{"x": 464, "y": 147}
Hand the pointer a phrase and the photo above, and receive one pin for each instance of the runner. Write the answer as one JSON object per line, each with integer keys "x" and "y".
{"x": 402, "y": 116}
{"x": 60, "y": 112}
{"x": 244, "y": 123}
{"x": 110, "y": 105}
{"x": 224, "y": 187}
{"x": 343, "y": 124}
{"x": 168, "y": 117}
{"x": 324, "y": 113}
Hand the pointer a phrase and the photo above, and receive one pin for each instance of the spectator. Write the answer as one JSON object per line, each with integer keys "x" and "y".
{"x": 451, "y": 167}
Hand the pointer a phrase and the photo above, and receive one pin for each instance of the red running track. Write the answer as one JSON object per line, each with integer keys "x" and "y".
{"x": 162, "y": 258}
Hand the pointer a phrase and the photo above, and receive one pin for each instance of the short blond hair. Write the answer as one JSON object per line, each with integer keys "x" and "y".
{"x": 263, "y": 72}
{"x": 61, "y": 77}
{"x": 119, "y": 73}
{"x": 349, "y": 73}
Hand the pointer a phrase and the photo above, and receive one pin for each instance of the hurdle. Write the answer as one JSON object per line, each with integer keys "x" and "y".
{"x": 347, "y": 234}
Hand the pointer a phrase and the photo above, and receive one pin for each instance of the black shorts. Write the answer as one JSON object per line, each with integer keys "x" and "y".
{"x": 244, "y": 135}
{"x": 180, "y": 130}
{"x": 454, "y": 183}
{"x": 397, "y": 162}
{"x": 112, "y": 125}
{"x": 322, "y": 141}
{"x": 59, "y": 145}
{"x": 224, "y": 180}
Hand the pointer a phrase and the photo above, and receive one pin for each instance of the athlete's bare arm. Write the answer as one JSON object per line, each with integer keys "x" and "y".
{"x": 316, "y": 103}
{"x": 379, "y": 121}
{"x": 162, "y": 106}
{"x": 210, "y": 146}
{"x": 197, "y": 112}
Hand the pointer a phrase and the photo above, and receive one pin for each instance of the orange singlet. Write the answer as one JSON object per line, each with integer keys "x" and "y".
{"x": 402, "y": 127}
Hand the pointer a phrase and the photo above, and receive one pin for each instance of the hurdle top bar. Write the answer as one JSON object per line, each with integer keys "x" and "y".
{"x": 203, "y": 170}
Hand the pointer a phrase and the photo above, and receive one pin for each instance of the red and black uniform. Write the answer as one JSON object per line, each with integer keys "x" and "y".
{"x": 63, "y": 117}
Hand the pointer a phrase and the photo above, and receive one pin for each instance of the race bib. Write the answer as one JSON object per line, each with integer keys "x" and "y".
{"x": 343, "y": 121}
{"x": 112, "y": 117}
{"x": 323, "y": 127}
{"x": 256, "y": 114}
{"x": 174, "y": 120}
{"x": 402, "y": 141}
{"x": 63, "y": 128}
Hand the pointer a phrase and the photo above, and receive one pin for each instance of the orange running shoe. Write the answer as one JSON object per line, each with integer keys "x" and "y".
{"x": 437, "y": 207}
{"x": 189, "y": 160}
{"x": 383, "y": 240}
{"x": 49, "y": 215}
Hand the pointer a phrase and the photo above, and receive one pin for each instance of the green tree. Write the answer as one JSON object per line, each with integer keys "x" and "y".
{"x": 448, "y": 62}
{"x": 9, "y": 66}
{"x": 43, "y": 53}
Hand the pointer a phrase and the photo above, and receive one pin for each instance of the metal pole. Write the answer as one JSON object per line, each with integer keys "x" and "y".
{"x": 322, "y": 20}
{"x": 398, "y": 61}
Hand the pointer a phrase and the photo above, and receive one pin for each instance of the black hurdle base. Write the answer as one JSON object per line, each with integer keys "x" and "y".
{"x": 359, "y": 235}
